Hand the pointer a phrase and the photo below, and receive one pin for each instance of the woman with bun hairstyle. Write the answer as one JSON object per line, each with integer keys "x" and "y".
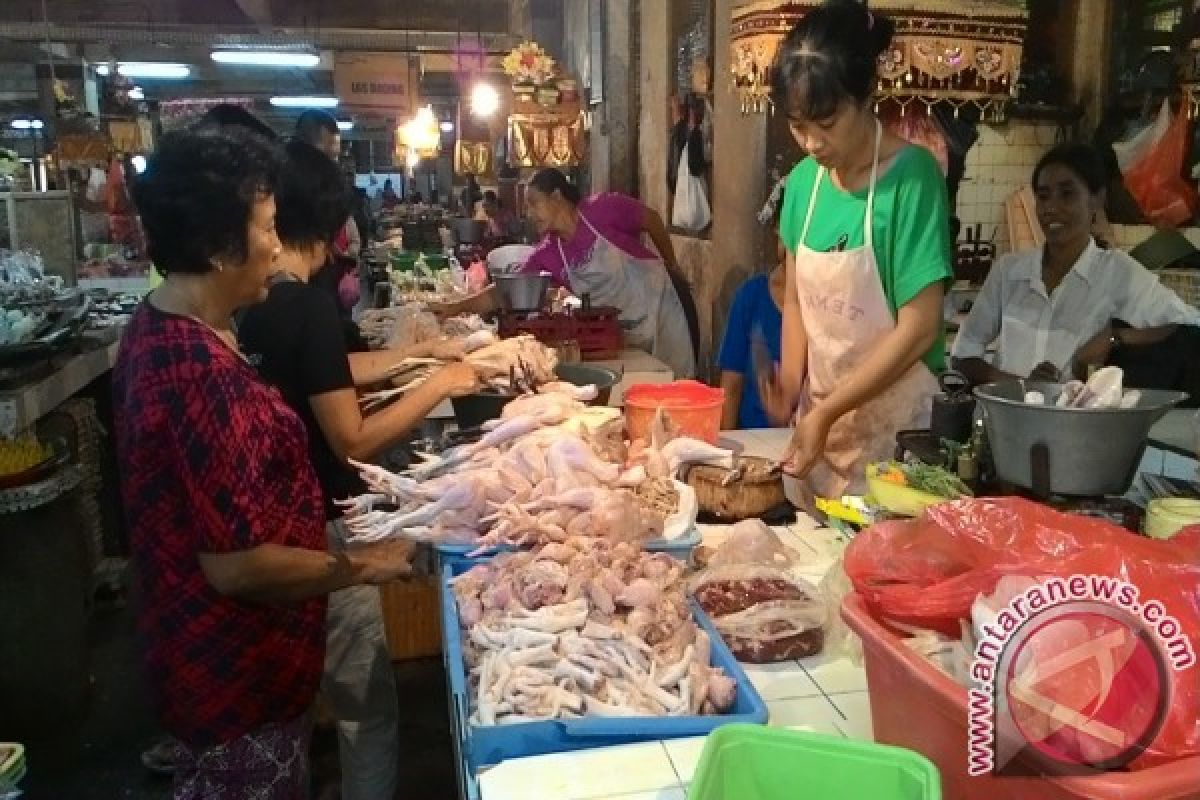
{"x": 866, "y": 228}
{"x": 594, "y": 246}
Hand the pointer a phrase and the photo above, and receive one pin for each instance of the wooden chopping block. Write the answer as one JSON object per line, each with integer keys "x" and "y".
{"x": 758, "y": 489}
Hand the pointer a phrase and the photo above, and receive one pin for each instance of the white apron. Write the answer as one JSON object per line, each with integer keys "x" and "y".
{"x": 651, "y": 314}
{"x": 846, "y": 314}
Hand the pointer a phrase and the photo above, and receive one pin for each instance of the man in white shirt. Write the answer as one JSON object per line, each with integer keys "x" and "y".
{"x": 1050, "y": 310}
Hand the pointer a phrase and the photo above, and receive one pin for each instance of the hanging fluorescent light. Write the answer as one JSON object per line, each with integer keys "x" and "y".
{"x": 447, "y": 126}
{"x": 484, "y": 100}
{"x": 345, "y": 125}
{"x": 304, "y": 101}
{"x": 148, "y": 69}
{"x": 27, "y": 124}
{"x": 136, "y": 93}
{"x": 266, "y": 58}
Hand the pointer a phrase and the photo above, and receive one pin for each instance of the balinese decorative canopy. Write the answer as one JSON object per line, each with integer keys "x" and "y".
{"x": 955, "y": 51}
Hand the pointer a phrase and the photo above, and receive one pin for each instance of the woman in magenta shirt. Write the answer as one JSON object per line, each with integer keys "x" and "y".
{"x": 593, "y": 247}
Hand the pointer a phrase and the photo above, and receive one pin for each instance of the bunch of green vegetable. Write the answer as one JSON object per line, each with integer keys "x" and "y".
{"x": 924, "y": 477}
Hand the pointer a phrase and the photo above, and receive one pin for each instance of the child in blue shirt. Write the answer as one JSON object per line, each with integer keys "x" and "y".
{"x": 757, "y": 307}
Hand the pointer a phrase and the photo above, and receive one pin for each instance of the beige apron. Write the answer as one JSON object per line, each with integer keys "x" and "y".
{"x": 651, "y": 314}
{"x": 846, "y": 314}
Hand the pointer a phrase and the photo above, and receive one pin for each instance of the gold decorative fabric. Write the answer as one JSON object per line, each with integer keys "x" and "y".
{"x": 957, "y": 52}
{"x": 546, "y": 140}
{"x": 472, "y": 158}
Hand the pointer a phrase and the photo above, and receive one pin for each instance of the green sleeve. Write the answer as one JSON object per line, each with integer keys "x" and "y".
{"x": 920, "y": 229}
{"x": 796, "y": 193}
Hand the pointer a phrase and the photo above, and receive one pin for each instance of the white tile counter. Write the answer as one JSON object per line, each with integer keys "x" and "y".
{"x": 817, "y": 694}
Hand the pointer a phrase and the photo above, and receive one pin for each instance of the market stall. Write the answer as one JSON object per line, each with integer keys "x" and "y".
{"x": 512, "y": 615}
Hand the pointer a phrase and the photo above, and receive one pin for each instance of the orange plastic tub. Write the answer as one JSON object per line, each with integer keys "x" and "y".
{"x": 693, "y": 407}
{"x": 917, "y": 706}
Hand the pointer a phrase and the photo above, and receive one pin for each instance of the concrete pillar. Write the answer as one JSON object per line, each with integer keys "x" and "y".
{"x": 655, "y": 65}
{"x": 614, "y": 121}
{"x": 1089, "y": 24}
{"x": 739, "y": 179}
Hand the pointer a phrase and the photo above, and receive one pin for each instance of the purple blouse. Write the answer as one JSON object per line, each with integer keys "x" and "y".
{"x": 616, "y": 216}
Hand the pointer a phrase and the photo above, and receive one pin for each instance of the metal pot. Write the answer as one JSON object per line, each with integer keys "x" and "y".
{"x": 473, "y": 410}
{"x": 1086, "y": 452}
{"x": 523, "y": 291}
{"x": 467, "y": 231}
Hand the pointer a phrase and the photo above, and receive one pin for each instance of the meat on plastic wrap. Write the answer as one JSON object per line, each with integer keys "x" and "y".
{"x": 761, "y": 610}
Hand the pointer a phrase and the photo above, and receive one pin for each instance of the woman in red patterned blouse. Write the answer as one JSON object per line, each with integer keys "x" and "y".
{"x": 225, "y": 513}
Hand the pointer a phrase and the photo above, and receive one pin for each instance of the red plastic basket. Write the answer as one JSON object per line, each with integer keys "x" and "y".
{"x": 916, "y": 705}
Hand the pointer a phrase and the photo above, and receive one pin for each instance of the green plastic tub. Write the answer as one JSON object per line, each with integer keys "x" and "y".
{"x": 753, "y": 762}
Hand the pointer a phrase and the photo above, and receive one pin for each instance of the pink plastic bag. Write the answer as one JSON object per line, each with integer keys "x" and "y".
{"x": 927, "y": 572}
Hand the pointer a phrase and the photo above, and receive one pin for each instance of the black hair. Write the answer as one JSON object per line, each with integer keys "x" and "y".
{"x": 312, "y": 122}
{"x": 1081, "y": 159}
{"x": 197, "y": 193}
{"x": 828, "y": 58}
{"x": 490, "y": 195}
{"x": 226, "y": 116}
{"x": 548, "y": 181}
{"x": 313, "y": 201}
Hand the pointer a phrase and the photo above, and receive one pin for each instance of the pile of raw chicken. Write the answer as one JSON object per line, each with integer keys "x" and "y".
{"x": 582, "y": 620}
{"x": 584, "y": 627}
{"x": 549, "y": 470}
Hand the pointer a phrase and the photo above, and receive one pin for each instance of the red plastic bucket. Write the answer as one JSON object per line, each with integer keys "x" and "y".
{"x": 916, "y": 705}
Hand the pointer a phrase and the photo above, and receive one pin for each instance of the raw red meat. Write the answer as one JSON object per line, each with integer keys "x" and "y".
{"x": 761, "y": 612}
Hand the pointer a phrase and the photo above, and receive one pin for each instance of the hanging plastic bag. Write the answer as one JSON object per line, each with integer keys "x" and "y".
{"x": 1156, "y": 180}
{"x": 1133, "y": 149}
{"x": 928, "y": 573}
{"x": 691, "y": 211}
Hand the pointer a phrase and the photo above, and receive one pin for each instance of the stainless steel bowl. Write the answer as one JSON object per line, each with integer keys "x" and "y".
{"x": 522, "y": 291}
{"x": 467, "y": 231}
{"x": 1068, "y": 451}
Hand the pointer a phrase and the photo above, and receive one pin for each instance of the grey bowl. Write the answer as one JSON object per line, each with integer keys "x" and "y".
{"x": 522, "y": 291}
{"x": 1077, "y": 452}
{"x": 473, "y": 410}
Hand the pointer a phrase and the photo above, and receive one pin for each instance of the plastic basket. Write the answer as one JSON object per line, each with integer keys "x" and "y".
{"x": 484, "y": 746}
{"x": 917, "y": 706}
{"x": 750, "y": 762}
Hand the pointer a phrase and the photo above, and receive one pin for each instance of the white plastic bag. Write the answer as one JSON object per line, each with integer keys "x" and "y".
{"x": 691, "y": 211}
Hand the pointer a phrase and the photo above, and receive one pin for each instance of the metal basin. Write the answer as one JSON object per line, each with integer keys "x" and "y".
{"x": 523, "y": 291}
{"x": 1068, "y": 451}
{"x": 475, "y": 409}
{"x": 467, "y": 231}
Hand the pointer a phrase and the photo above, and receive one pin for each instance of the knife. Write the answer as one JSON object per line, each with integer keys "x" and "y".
{"x": 760, "y": 355}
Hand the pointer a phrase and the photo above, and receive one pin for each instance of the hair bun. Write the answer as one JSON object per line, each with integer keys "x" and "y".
{"x": 880, "y": 32}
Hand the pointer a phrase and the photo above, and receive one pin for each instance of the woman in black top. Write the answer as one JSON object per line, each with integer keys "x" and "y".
{"x": 295, "y": 340}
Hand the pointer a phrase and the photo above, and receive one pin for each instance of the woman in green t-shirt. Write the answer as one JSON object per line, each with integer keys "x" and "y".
{"x": 866, "y": 227}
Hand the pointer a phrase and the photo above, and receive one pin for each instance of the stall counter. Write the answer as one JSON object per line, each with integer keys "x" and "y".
{"x": 20, "y": 408}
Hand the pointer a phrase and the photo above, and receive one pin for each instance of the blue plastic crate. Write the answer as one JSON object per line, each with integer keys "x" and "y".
{"x": 485, "y": 746}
